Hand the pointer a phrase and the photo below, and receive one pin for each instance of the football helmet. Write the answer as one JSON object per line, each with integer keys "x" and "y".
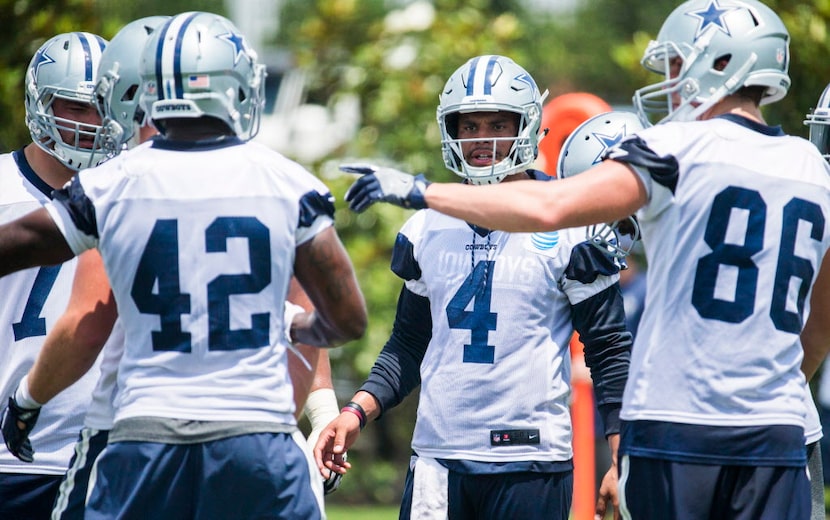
{"x": 716, "y": 47}
{"x": 586, "y": 147}
{"x": 199, "y": 64}
{"x": 818, "y": 120}
{"x": 116, "y": 91}
{"x": 64, "y": 68}
{"x": 490, "y": 84}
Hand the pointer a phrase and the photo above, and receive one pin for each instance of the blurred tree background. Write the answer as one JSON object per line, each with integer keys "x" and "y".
{"x": 394, "y": 57}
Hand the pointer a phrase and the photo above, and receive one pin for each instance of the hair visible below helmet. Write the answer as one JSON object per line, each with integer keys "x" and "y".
{"x": 585, "y": 148}
{"x": 724, "y": 45}
{"x": 64, "y": 68}
{"x": 199, "y": 64}
{"x": 118, "y": 82}
{"x": 818, "y": 120}
{"x": 490, "y": 84}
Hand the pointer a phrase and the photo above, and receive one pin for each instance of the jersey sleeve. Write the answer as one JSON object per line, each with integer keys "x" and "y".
{"x": 316, "y": 214}
{"x": 404, "y": 254}
{"x": 74, "y": 214}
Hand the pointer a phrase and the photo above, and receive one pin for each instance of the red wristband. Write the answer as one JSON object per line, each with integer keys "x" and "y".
{"x": 356, "y": 409}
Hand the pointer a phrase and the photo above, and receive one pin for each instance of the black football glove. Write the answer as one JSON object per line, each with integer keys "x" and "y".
{"x": 331, "y": 484}
{"x": 381, "y": 184}
{"x": 17, "y": 438}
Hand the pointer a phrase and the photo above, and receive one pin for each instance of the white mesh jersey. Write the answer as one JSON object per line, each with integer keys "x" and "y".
{"x": 199, "y": 248}
{"x": 740, "y": 229}
{"x": 32, "y": 301}
{"x": 498, "y": 359}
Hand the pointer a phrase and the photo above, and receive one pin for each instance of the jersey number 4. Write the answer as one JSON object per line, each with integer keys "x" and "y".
{"x": 156, "y": 288}
{"x": 789, "y": 267}
{"x": 478, "y": 289}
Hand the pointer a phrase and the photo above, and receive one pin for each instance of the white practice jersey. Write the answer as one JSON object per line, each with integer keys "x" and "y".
{"x": 736, "y": 231}
{"x": 101, "y": 411}
{"x": 32, "y": 301}
{"x": 199, "y": 248}
{"x": 497, "y": 371}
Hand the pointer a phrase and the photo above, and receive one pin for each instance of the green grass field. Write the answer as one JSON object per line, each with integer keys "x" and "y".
{"x": 335, "y": 512}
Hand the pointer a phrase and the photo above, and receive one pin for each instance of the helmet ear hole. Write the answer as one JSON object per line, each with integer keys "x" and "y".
{"x": 721, "y": 62}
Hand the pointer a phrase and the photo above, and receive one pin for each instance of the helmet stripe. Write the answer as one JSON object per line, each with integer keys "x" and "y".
{"x": 168, "y": 58}
{"x": 479, "y": 78}
{"x": 92, "y": 53}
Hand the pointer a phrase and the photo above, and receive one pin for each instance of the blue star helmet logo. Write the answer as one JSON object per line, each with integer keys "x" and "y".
{"x": 41, "y": 58}
{"x": 237, "y": 41}
{"x": 607, "y": 142}
{"x": 712, "y": 16}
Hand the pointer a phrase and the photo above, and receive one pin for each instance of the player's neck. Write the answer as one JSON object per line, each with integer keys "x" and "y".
{"x": 737, "y": 106}
{"x": 48, "y": 168}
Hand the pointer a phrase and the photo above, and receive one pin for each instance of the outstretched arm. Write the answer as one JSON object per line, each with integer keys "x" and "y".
{"x": 31, "y": 240}
{"x": 78, "y": 336}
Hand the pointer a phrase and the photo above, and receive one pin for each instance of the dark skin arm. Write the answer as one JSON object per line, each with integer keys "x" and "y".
{"x": 31, "y": 240}
{"x": 325, "y": 272}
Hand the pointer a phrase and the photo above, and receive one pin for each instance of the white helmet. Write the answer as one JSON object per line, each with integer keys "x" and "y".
{"x": 819, "y": 122}
{"x": 724, "y": 45}
{"x": 586, "y": 147}
{"x": 118, "y": 81}
{"x": 490, "y": 84}
{"x": 64, "y": 68}
{"x": 199, "y": 64}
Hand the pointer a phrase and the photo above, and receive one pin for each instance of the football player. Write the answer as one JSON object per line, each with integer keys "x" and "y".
{"x": 66, "y": 137}
{"x": 204, "y": 372}
{"x": 484, "y": 323}
{"x": 733, "y": 214}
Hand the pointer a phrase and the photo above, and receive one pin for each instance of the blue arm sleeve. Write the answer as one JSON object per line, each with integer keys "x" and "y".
{"x": 397, "y": 370}
{"x": 600, "y": 322}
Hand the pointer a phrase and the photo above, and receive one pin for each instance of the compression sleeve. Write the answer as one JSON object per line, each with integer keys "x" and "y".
{"x": 397, "y": 370}
{"x": 600, "y": 322}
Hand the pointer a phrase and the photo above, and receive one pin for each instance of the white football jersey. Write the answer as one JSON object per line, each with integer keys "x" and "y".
{"x": 199, "y": 247}
{"x": 33, "y": 300}
{"x": 497, "y": 370}
{"x": 736, "y": 233}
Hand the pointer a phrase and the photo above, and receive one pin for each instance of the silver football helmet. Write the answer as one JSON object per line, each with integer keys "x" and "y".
{"x": 490, "y": 84}
{"x": 118, "y": 81}
{"x": 199, "y": 64}
{"x": 64, "y": 68}
{"x": 819, "y": 122}
{"x": 716, "y": 47}
{"x": 586, "y": 147}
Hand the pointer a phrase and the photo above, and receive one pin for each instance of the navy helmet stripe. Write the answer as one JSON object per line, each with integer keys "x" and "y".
{"x": 471, "y": 78}
{"x": 87, "y": 55}
{"x": 177, "y": 61}
{"x": 488, "y": 86}
{"x": 159, "y": 49}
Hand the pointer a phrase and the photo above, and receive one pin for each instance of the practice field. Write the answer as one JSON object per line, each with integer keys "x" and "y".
{"x": 335, "y": 512}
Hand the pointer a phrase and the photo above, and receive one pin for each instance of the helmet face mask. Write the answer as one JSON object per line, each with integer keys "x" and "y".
{"x": 585, "y": 148}
{"x": 818, "y": 120}
{"x": 707, "y": 50}
{"x": 61, "y": 76}
{"x": 490, "y": 84}
{"x": 117, "y": 88}
{"x": 199, "y": 64}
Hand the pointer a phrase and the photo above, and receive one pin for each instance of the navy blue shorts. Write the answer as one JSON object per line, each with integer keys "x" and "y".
{"x": 499, "y": 495}
{"x": 660, "y": 489}
{"x": 72, "y": 495}
{"x": 263, "y": 475}
{"x": 27, "y": 496}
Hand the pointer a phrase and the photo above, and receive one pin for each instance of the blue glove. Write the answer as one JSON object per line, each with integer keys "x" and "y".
{"x": 17, "y": 438}
{"x": 380, "y": 184}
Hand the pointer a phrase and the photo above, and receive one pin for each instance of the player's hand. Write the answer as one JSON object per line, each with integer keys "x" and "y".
{"x": 17, "y": 424}
{"x": 334, "y": 440}
{"x": 609, "y": 495}
{"x": 381, "y": 184}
